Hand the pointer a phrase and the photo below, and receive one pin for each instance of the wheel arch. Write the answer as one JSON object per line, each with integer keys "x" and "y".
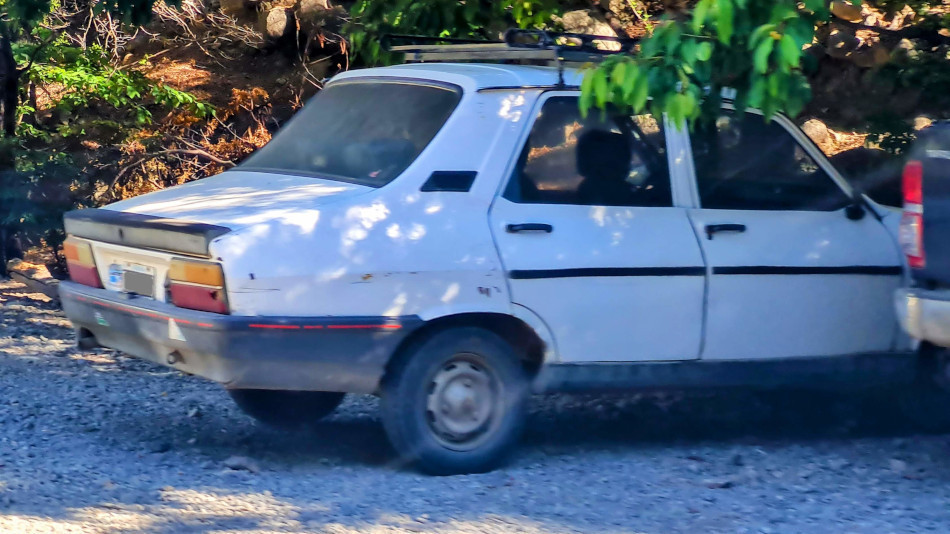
{"x": 535, "y": 347}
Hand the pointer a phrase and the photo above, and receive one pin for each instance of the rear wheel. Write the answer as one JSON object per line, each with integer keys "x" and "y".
{"x": 456, "y": 402}
{"x": 926, "y": 404}
{"x": 286, "y": 409}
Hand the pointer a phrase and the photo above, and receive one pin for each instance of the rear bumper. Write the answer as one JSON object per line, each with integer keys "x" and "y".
{"x": 925, "y": 315}
{"x": 345, "y": 354}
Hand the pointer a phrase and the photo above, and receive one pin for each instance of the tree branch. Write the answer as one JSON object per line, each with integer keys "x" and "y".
{"x": 145, "y": 157}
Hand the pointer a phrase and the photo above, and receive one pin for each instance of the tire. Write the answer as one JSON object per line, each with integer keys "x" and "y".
{"x": 926, "y": 404}
{"x": 456, "y": 402}
{"x": 286, "y": 409}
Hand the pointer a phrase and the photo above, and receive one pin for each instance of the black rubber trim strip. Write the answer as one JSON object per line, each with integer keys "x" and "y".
{"x": 449, "y": 181}
{"x": 143, "y": 231}
{"x": 596, "y": 272}
{"x": 879, "y": 270}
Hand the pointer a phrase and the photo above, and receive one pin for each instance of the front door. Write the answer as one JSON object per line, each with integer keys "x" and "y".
{"x": 793, "y": 271}
{"x": 592, "y": 242}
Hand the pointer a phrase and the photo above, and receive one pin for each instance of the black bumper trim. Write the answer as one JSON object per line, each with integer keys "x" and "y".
{"x": 345, "y": 354}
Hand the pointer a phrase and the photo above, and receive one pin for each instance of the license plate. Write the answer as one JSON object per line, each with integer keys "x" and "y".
{"x": 139, "y": 279}
{"x": 140, "y": 283}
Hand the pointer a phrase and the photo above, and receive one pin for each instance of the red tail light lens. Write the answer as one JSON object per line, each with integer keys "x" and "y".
{"x": 81, "y": 263}
{"x": 914, "y": 183}
{"x": 197, "y": 285}
{"x": 912, "y": 222}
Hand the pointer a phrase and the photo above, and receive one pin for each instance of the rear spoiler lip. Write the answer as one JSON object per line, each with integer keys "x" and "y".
{"x": 143, "y": 231}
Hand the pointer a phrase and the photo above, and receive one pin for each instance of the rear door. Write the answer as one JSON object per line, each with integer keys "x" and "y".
{"x": 593, "y": 242}
{"x": 791, "y": 273}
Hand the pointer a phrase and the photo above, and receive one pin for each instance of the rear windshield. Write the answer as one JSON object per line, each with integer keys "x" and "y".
{"x": 364, "y": 132}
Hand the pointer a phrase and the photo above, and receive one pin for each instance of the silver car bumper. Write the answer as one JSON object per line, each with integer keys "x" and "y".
{"x": 925, "y": 315}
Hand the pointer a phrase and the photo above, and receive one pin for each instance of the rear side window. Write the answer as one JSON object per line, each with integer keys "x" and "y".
{"x": 600, "y": 160}
{"x": 744, "y": 163}
{"x": 364, "y": 132}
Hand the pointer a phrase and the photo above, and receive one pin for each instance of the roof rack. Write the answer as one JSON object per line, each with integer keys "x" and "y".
{"x": 533, "y": 47}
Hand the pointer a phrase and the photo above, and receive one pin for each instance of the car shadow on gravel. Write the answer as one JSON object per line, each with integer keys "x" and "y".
{"x": 558, "y": 424}
{"x": 608, "y": 421}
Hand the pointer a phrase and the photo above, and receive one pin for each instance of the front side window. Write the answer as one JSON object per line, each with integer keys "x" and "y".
{"x": 364, "y": 132}
{"x": 744, "y": 163}
{"x": 600, "y": 160}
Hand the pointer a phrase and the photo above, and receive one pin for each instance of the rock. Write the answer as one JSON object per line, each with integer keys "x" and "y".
{"x": 309, "y": 8}
{"x": 897, "y": 466}
{"x": 725, "y": 483}
{"x": 818, "y": 132}
{"x": 738, "y": 461}
{"x": 241, "y": 463}
{"x": 161, "y": 447}
{"x": 922, "y": 122}
{"x": 845, "y": 10}
{"x": 279, "y": 23}
{"x": 140, "y": 39}
{"x": 841, "y": 43}
{"x": 837, "y": 464}
{"x": 870, "y": 56}
{"x": 588, "y": 22}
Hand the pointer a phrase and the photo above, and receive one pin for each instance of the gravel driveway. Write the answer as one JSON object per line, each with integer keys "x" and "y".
{"x": 96, "y": 442}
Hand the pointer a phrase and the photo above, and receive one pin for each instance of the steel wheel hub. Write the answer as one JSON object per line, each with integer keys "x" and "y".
{"x": 461, "y": 403}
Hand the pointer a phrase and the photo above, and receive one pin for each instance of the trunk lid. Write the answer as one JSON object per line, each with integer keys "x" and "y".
{"x": 237, "y": 199}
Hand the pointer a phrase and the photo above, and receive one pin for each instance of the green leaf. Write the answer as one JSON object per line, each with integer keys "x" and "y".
{"x": 789, "y": 50}
{"x": 725, "y": 21}
{"x": 630, "y": 83}
{"x": 640, "y": 93}
{"x": 688, "y": 51}
{"x": 601, "y": 89}
{"x": 700, "y": 12}
{"x": 760, "y": 58}
{"x": 762, "y": 32}
{"x": 618, "y": 74}
{"x": 587, "y": 93}
{"x": 757, "y": 92}
{"x": 704, "y": 51}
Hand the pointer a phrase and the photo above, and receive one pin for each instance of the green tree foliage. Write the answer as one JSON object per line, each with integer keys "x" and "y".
{"x": 480, "y": 19}
{"x": 752, "y": 47}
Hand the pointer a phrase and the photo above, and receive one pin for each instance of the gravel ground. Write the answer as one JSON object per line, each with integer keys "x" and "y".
{"x": 97, "y": 442}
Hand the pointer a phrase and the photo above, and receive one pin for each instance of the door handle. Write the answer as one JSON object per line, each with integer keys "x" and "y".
{"x": 529, "y": 227}
{"x": 727, "y": 227}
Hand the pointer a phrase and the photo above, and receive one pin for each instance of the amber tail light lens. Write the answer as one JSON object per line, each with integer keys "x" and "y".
{"x": 197, "y": 285}
{"x": 81, "y": 263}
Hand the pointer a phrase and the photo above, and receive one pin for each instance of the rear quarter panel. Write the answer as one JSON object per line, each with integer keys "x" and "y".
{"x": 396, "y": 251}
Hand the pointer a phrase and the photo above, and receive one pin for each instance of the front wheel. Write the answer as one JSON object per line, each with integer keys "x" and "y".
{"x": 286, "y": 409}
{"x": 456, "y": 402}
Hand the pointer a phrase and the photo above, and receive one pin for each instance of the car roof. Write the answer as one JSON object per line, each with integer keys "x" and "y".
{"x": 472, "y": 76}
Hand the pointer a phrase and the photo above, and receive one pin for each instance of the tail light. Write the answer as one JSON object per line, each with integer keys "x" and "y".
{"x": 197, "y": 285}
{"x": 912, "y": 222}
{"x": 81, "y": 263}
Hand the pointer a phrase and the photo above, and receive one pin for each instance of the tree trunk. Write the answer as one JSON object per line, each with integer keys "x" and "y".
{"x": 9, "y": 83}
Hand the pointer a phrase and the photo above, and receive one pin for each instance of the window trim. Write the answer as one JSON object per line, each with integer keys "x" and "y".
{"x": 803, "y": 141}
{"x": 669, "y": 136}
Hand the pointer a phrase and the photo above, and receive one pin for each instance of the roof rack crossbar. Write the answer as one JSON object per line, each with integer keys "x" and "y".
{"x": 519, "y": 46}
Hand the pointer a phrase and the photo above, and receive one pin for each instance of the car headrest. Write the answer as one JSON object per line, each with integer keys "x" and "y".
{"x": 603, "y": 155}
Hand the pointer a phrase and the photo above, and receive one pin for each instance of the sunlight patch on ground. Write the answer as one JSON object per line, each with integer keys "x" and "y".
{"x": 185, "y": 509}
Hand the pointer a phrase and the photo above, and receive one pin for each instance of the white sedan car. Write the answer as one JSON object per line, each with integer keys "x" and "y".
{"x": 456, "y": 236}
